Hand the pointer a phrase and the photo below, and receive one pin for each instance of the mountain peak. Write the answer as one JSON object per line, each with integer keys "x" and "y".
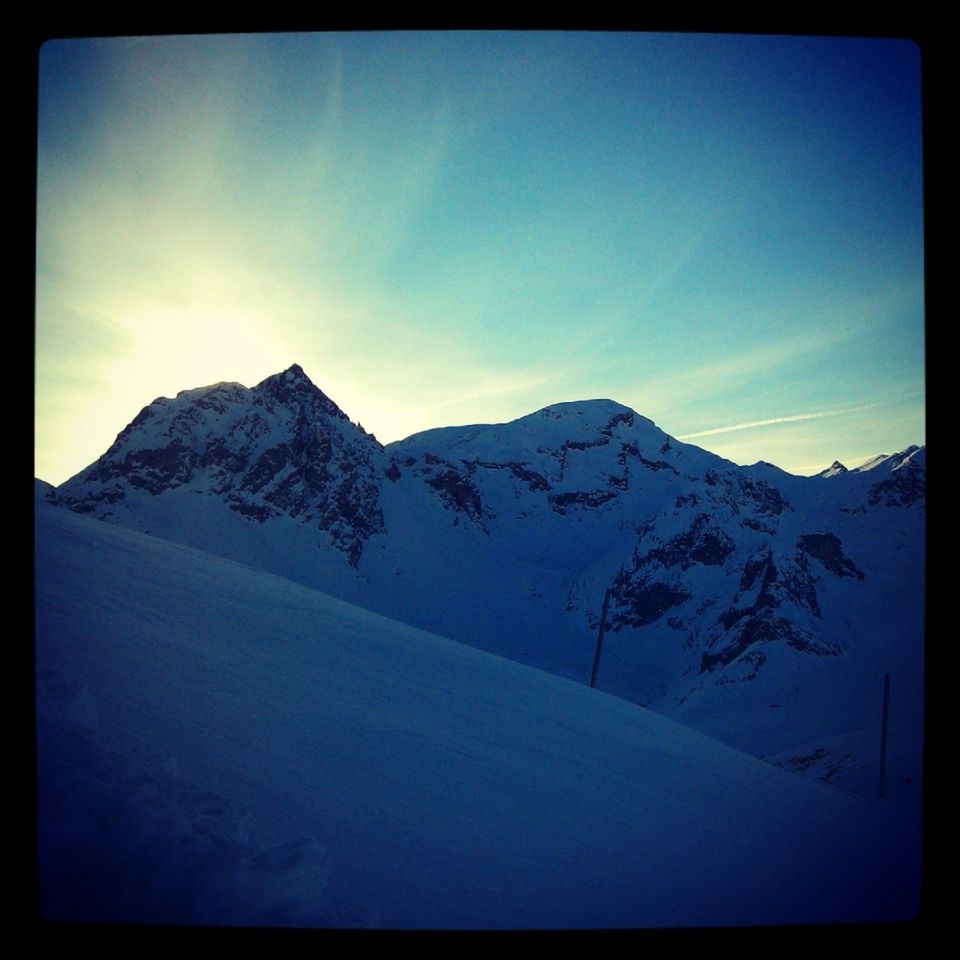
{"x": 293, "y": 386}
{"x": 295, "y": 372}
{"x": 580, "y": 407}
{"x": 834, "y": 470}
{"x": 294, "y": 375}
{"x": 913, "y": 455}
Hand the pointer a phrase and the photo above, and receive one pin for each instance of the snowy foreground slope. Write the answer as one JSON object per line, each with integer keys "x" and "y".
{"x": 220, "y": 745}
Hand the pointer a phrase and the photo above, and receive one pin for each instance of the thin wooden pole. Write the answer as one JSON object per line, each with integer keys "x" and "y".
{"x": 883, "y": 734}
{"x": 600, "y": 631}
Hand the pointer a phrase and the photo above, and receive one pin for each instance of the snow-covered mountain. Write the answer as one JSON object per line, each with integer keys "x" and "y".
{"x": 760, "y": 607}
{"x": 280, "y": 449}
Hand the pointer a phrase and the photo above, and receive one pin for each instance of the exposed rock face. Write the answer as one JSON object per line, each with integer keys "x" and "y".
{"x": 826, "y": 548}
{"x": 906, "y": 487}
{"x": 640, "y": 600}
{"x": 458, "y": 492}
{"x": 561, "y": 502}
{"x": 762, "y": 628}
{"x": 536, "y": 482}
{"x": 652, "y": 585}
{"x": 770, "y": 587}
{"x": 775, "y": 595}
{"x": 743, "y": 492}
{"x": 704, "y": 542}
{"x": 451, "y": 483}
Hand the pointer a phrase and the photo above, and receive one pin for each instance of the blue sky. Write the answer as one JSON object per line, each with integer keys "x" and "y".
{"x": 724, "y": 233}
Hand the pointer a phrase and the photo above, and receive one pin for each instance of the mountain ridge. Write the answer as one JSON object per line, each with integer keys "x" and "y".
{"x": 296, "y": 376}
{"x": 726, "y": 583}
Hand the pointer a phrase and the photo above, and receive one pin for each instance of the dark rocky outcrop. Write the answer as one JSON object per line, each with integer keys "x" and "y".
{"x": 458, "y": 492}
{"x": 762, "y": 628}
{"x": 703, "y": 542}
{"x": 561, "y": 502}
{"x": 905, "y": 487}
{"x": 533, "y": 480}
{"x": 742, "y": 492}
{"x": 826, "y": 548}
{"x": 639, "y": 601}
{"x": 778, "y": 586}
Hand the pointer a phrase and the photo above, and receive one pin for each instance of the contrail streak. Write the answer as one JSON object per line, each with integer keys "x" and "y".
{"x": 748, "y": 425}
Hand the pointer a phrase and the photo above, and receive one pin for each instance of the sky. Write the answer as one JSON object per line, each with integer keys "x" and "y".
{"x": 723, "y": 232}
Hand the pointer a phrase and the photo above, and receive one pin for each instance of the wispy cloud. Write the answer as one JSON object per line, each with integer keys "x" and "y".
{"x": 792, "y": 418}
{"x": 681, "y": 383}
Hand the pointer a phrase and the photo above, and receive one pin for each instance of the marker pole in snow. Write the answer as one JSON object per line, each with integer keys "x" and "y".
{"x": 883, "y": 733}
{"x": 602, "y": 628}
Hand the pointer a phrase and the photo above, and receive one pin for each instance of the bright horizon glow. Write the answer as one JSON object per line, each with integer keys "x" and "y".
{"x": 724, "y": 233}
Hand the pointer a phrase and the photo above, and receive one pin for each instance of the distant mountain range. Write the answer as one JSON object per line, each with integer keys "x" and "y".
{"x": 757, "y": 606}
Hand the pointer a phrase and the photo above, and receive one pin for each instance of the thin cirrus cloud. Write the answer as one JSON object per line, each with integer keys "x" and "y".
{"x": 806, "y": 443}
{"x": 771, "y": 421}
{"x": 689, "y": 382}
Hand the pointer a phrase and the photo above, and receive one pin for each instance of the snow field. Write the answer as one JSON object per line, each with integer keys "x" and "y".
{"x": 220, "y": 745}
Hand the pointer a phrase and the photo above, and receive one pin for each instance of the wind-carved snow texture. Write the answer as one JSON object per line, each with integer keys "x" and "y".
{"x": 730, "y": 587}
{"x": 126, "y": 839}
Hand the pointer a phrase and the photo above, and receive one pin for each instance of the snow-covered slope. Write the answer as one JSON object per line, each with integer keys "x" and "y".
{"x": 757, "y": 606}
{"x": 219, "y": 745}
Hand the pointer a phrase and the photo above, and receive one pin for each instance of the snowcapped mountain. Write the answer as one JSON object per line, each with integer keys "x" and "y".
{"x": 757, "y": 606}
{"x": 282, "y": 448}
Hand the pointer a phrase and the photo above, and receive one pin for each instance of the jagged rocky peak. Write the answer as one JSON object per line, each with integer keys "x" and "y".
{"x": 282, "y": 448}
{"x": 294, "y": 387}
{"x": 913, "y": 456}
{"x": 224, "y": 388}
{"x": 834, "y": 470}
